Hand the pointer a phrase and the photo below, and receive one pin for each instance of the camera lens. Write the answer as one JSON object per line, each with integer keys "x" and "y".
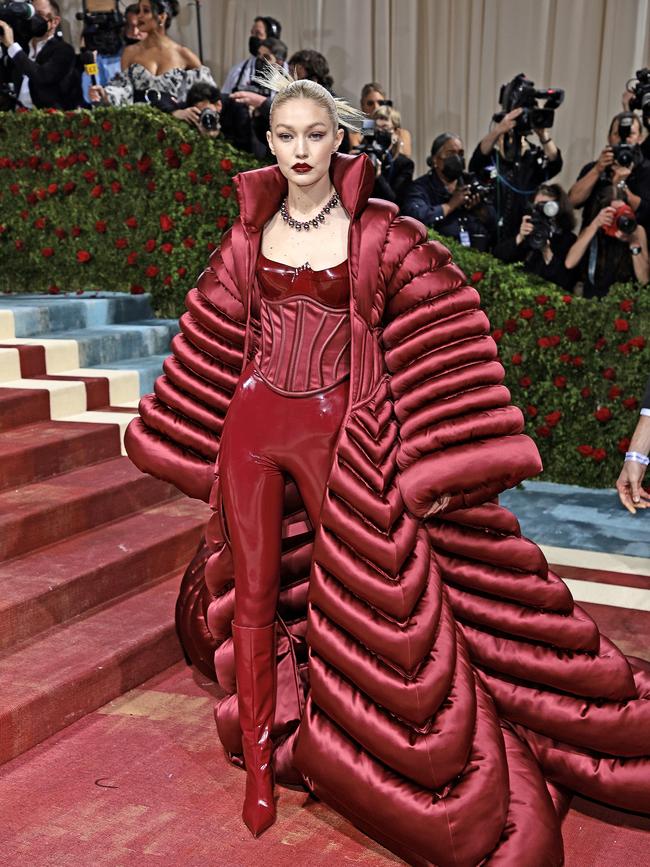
{"x": 626, "y": 224}
{"x": 551, "y": 209}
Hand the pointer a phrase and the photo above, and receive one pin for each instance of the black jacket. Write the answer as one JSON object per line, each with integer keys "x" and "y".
{"x": 555, "y": 271}
{"x": 394, "y": 179}
{"x": 638, "y": 182}
{"x": 54, "y": 78}
{"x": 424, "y": 199}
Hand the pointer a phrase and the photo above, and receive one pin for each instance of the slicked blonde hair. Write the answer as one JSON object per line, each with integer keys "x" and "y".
{"x": 341, "y": 112}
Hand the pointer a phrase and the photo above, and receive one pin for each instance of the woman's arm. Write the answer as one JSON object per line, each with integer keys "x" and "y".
{"x": 190, "y": 59}
{"x": 577, "y": 251}
{"x": 640, "y": 261}
{"x": 581, "y": 190}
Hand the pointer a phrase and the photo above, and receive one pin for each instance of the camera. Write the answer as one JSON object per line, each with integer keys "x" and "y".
{"x": 522, "y": 93}
{"x": 103, "y": 26}
{"x": 156, "y": 98}
{"x": 542, "y": 216}
{"x": 482, "y": 184}
{"x": 625, "y": 154}
{"x": 374, "y": 142}
{"x": 624, "y": 220}
{"x": 23, "y": 20}
{"x": 640, "y": 87}
{"x": 209, "y": 120}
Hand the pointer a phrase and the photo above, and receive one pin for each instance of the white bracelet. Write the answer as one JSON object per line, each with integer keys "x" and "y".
{"x": 637, "y": 458}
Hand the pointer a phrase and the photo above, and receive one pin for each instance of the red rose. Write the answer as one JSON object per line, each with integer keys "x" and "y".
{"x": 601, "y": 343}
{"x": 637, "y": 342}
{"x": 614, "y": 391}
{"x": 476, "y": 277}
{"x": 67, "y": 133}
{"x": 95, "y": 141}
{"x": 541, "y": 299}
{"x": 625, "y": 348}
{"x": 83, "y": 256}
{"x": 193, "y": 177}
{"x": 226, "y": 190}
{"x": 144, "y": 164}
{"x": 172, "y": 158}
{"x": 565, "y": 358}
{"x": 46, "y": 252}
{"x": 526, "y": 313}
{"x": 54, "y": 136}
{"x": 132, "y": 258}
{"x": 543, "y": 342}
{"x": 531, "y": 410}
{"x": 197, "y": 208}
{"x": 36, "y": 134}
{"x": 24, "y": 214}
{"x": 40, "y": 223}
{"x": 167, "y": 281}
{"x": 122, "y": 150}
{"x": 127, "y": 167}
{"x": 166, "y": 223}
{"x": 630, "y": 403}
{"x": 82, "y": 157}
{"x": 180, "y": 196}
{"x": 110, "y": 163}
{"x": 107, "y": 126}
{"x": 97, "y": 191}
{"x": 116, "y": 187}
{"x": 188, "y": 210}
{"x": 75, "y": 231}
{"x": 69, "y": 187}
{"x": 189, "y": 243}
{"x": 586, "y": 451}
{"x": 585, "y": 392}
{"x": 185, "y": 148}
{"x": 152, "y": 271}
{"x": 121, "y": 243}
{"x": 85, "y": 121}
{"x": 621, "y": 325}
{"x": 90, "y": 175}
{"x": 19, "y": 244}
{"x": 603, "y": 414}
{"x": 101, "y": 226}
{"x": 573, "y": 333}
{"x": 577, "y": 361}
{"x": 182, "y": 271}
{"x": 510, "y": 325}
{"x": 53, "y": 189}
{"x": 210, "y": 246}
{"x": 599, "y": 455}
{"x": 544, "y": 431}
{"x": 497, "y": 335}
{"x": 226, "y": 164}
{"x": 626, "y": 305}
{"x": 517, "y": 358}
{"x": 623, "y": 445}
{"x": 554, "y": 339}
{"x": 41, "y": 194}
{"x": 525, "y": 381}
{"x": 15, "y": 189}
{"x": 150, "y": 245}
{"x": 609, "y": 373}
{"x": 53, "y": 290}
{"x": 136, "y": 290}
{"x": 31, "y": 198}
{"x": 60, "y": 232}
{"x": 61, "y": 162}
{"x": 132, "y": 222}
{"x": 549, "y": 314}
{"x": 553, "y": 418}
{"x": 167, "y": 247}
{"x": 560, "y": 381}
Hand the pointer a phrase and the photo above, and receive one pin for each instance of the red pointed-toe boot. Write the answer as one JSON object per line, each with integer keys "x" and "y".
{"x": 255, "y": 659}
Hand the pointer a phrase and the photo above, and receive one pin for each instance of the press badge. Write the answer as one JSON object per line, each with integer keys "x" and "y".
{"x": 464, "y": 238}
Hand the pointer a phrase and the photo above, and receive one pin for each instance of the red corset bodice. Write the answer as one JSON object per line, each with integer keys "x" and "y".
{"x": 305, "y": 320}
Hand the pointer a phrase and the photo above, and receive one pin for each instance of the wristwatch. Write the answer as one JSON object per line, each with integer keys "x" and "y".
{"x": 621, "y": 186}
{"x": 635, "y": 250}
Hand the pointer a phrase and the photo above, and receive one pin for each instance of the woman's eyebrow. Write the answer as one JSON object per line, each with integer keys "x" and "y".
{"x": 311, "y": 125}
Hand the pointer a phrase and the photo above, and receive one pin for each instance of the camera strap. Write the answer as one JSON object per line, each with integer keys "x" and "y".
{"x": 593, "y": 259}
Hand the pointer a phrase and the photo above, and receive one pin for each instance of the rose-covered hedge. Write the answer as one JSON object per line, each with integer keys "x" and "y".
{"x": 121, "y": 199}
{"x": 576, "y": 367}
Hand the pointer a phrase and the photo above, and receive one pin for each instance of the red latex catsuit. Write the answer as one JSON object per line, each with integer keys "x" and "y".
{"x": 284, "y": 420}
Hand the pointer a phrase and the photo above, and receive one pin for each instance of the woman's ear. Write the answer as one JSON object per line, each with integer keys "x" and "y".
{"x": 269, "y": 138}
{"x": 338, "y": 138}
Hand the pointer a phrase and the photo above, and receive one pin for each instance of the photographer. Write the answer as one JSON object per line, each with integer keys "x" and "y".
{"x": 373, "y": 96}
{"x": 636, "y": 96}
{"x": 43, "y": 72}
{"x": 545, "y": 237}
{"x": 381, "y": 141}
{"x": 441, "y": 199}
{"x": 203, "y": 109}
{"x": 521, "y": 166}
{"x": 105, "y": 34}
{"x": 240, "y": 75}
{"x": 611, "y": 248}
{"x": 620, "y": 163}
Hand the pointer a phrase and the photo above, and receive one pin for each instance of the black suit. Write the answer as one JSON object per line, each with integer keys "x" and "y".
{"x": 54, "y": 79}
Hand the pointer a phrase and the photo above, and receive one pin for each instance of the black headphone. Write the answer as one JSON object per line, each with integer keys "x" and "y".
{"x": 273, "y": 26}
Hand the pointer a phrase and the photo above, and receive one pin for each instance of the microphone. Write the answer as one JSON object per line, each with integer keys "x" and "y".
{"x": 90, "y": 66}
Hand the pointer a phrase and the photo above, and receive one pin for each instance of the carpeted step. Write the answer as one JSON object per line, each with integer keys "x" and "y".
{"x": 47, "y": 448}
{"x": 45, "y": 512}
{"x": 59, "y": 582}
{"x": 75, "y": 668}
{"x": 42, "y": 314}
{"x": 19, "y": 406}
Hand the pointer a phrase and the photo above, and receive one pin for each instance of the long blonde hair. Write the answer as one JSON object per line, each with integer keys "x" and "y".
{"x": 341, "y": 112}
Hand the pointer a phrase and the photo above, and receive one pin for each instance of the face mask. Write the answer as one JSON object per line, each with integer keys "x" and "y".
{"x": 453, "y": 167}
{"x": 383, "y": 138}
{"x": 254, "y": 43}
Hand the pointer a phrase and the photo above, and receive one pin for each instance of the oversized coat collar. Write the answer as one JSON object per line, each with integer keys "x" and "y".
{"x": 260, "y": 191}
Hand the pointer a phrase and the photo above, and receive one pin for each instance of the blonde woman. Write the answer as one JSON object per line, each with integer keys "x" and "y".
{"x": 399, "y": 649}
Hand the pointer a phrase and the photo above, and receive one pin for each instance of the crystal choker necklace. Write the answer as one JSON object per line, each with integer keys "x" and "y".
{"x": 315, "y": 222}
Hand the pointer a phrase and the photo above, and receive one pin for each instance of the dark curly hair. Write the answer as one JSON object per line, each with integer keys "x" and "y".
{"x": 316, "y": 66}
{"x": 171, "y": 7}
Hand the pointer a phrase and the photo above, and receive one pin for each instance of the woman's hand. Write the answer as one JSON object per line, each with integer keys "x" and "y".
{"x": 98, "y": 94}
{"x": 604, "y": 217}
{"x": 629, "y": 487}
{"x": 438, "y": 505}
{"x": 524, "y": 230}
{"x": 6, "y": 34}
{"x": 509, "y": 121}
{"x": 252, "y": 100}
{"x": 190, "y": 115}
{"x": 605, "y": 159}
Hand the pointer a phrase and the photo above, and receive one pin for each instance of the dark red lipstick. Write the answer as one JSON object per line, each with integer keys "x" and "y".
{"x": 301, "y": 168}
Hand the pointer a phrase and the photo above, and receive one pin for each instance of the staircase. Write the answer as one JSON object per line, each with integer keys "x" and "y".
{"x": 91, "y": 550}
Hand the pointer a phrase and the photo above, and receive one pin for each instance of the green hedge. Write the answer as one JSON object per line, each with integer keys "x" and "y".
{"x": 576, "y": 367}
{"x": 127, "y": 200}
{"x": 133, "y": 200}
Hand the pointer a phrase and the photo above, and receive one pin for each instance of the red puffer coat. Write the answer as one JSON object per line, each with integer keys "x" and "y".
{"x": 437, "y": 685}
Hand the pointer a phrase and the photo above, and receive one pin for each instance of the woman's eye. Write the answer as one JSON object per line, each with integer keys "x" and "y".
{"x": 317, "y": 135}
{"x": 284, "y": 136}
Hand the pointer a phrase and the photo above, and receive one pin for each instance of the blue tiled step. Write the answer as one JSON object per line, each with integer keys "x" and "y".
{"x": 148, "y": 369}
{"x": 99, "y": 347}
{"x": 40, "y": 315}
